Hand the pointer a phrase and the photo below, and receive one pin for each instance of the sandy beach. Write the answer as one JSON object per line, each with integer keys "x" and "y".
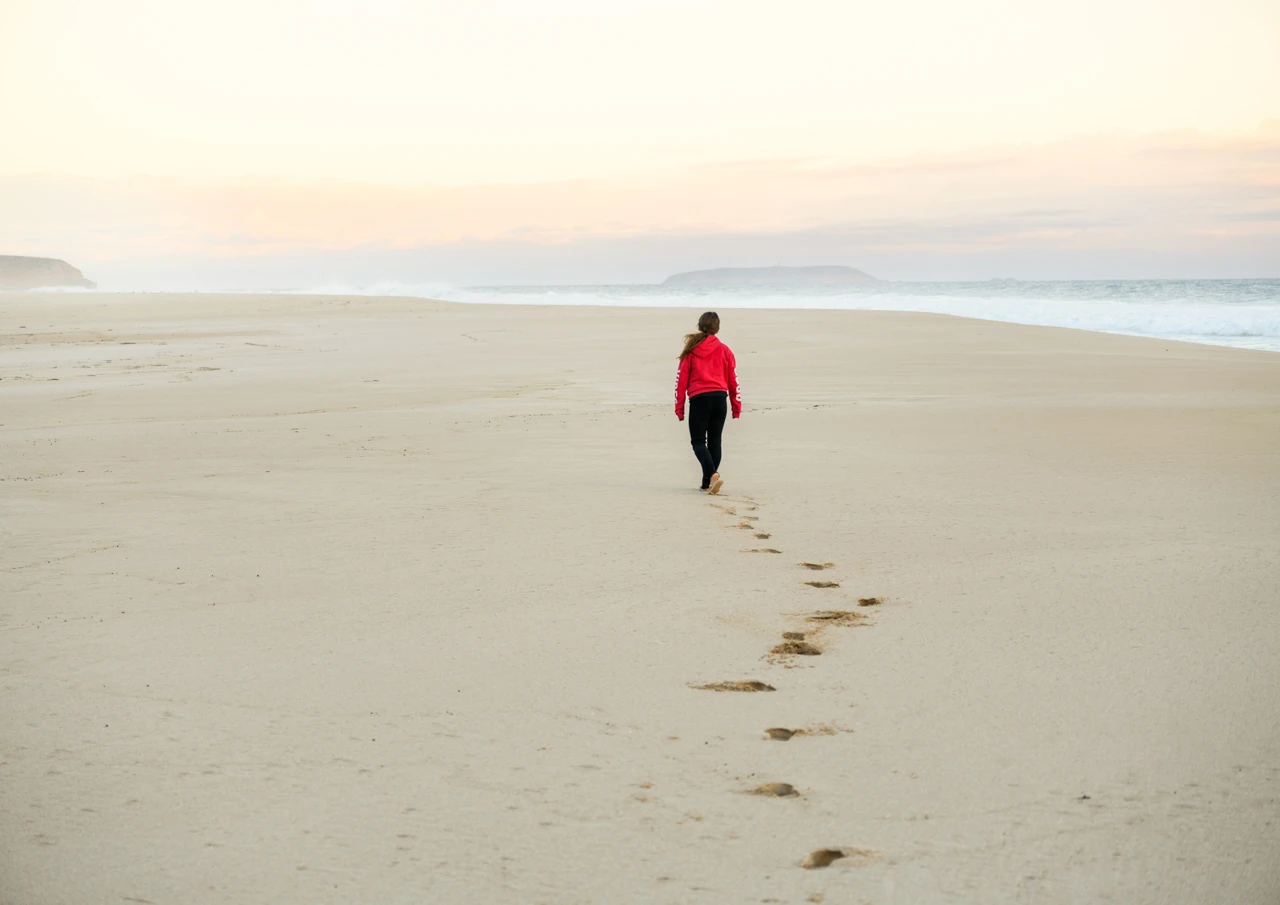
{"x": 337, "y": 600}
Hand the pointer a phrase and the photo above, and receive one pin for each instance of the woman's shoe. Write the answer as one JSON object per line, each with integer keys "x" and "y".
{"x": 716, "y": 483}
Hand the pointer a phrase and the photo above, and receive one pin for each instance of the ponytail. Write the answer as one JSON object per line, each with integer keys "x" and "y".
{"x": 708, "y": 325}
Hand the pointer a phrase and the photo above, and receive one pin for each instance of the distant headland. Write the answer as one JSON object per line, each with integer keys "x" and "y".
{"x": 831, "y": 275}
{"x": 18, "y": 272}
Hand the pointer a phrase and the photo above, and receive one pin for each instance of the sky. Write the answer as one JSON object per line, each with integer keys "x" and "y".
{"x": 271, "y": 143}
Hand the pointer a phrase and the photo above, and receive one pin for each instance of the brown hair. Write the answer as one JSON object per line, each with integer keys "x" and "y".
{"x": 708, "y": 325}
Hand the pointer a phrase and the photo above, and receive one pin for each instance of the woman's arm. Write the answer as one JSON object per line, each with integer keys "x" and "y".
{"x": 682, "y": 384}
{"x": 731, "y": 379}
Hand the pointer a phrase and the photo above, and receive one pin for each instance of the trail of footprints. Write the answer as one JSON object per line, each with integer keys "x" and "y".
{"x": 806, "y": 643}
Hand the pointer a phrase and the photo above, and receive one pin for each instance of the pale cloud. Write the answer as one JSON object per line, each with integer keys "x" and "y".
{"x": 1263, "y": 215}
{"x": 1100, "y": 176}
{"x": 1064, "y": 204}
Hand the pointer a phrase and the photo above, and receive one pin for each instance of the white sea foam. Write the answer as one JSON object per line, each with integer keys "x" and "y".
{"x": 1235, "y": 313}
{"x": 440, "y": 291}
{"x": 59, "y": 290}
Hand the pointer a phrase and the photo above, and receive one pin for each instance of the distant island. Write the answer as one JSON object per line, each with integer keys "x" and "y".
{"x": 17, "y": 272}
{"x": 830, "y": 275}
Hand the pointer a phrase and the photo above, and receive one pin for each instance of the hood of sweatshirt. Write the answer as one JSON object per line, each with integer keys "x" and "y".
{"x": 706, "y": 347}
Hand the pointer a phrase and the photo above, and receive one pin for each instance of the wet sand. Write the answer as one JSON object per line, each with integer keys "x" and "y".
{"x": 386, "y": 600}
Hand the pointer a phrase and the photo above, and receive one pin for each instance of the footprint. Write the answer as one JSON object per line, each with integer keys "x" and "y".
{"x": 750, "y": 685}
{"x": 793, "y": 636}
{"x": 837, "y": 617}
{"x": 781, "y": 734}
{"x": 823, "y": 584}
{"x": 727, "y": 510}
{"x": 764, "y": 535}
{"x": 795, "y": 648}
{"x": 870, "y": 601}
{"x": 818, "y": 566}
{"x": 746, "y": 525}
{"x": 823, "y": 857}
{"x": 776, "y": 790}
{"x": 762, "y": 550}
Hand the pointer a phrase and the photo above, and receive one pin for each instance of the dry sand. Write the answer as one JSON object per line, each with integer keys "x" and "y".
{"x": 327, "y": 600}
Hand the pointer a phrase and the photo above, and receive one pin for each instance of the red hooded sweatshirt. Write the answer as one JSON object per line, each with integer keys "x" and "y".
{"x": 708, "y": 368}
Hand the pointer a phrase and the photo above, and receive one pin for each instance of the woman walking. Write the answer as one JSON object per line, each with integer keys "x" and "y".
{"x": 708, "y": 375}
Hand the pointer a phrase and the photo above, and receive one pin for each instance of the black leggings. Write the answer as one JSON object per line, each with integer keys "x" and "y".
{"x": 707, "y": 412}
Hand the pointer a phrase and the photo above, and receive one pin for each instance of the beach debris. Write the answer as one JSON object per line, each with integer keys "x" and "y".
{"x": 795, "y": 648}
{"x": 823, "y": 584}
{"x": 818, "y": 566}
{"x": 776, "y": 790}
{"x": 870, "y": 601}
{"x": 837, "y": 617}
{"x": 750, "y": 685}
{"x": 820, "y": 729}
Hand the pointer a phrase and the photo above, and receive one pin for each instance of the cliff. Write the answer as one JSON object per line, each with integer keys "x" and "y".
{"x": 771, "y": 276}
{"x": 33, "y": 273}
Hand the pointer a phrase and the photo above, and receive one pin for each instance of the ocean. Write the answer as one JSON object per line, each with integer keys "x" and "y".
{"x": 1241, "y": 313}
